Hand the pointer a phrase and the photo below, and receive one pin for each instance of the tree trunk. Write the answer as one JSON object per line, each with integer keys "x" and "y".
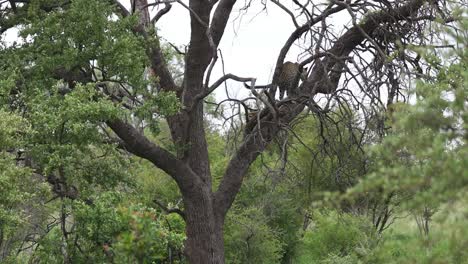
{"x": 204, "y": 229}
{"x": 190, "y": 168}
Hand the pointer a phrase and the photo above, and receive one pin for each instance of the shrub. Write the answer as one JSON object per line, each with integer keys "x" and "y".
{"x": 335, "y": 238}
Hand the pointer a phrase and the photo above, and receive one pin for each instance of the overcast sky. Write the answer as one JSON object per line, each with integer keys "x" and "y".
{"x": 250, "y": 45}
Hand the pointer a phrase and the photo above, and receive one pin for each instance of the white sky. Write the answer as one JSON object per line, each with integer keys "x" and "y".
{"x": 250, "y": 45}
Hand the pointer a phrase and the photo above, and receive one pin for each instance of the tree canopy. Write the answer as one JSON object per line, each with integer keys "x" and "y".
{"x": 114, "y": 150}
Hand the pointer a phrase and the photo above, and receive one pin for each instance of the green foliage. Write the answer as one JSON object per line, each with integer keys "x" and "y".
{"x": 165, "y": 104}
{"x": 56, "y": 42}
{"x": 18, "y": 187}
{"x": 328, "y": 156}
{"x": 426, "y": 154}
{"x": 149, "y": 236}
{"x": 218, "y": 154}
{"x": 57, "y": 125}
{"x": 249, "y": 239}
{"x": 267, "y": 196}
{"x": 13, "y": 194}
{"x": 446, "y": 243}
{"x": 100, "y": 222}
{"x": 13, "y": 129}
{"x": 335, "y": 238}
{"x": 106, "y": 230}
{"x": 65, "y": 136}
{"x": 423, "y": 163}
{"x": 266, "y": 191}
{"x": 344, "y": 238}
{"x": 152, "y": 183}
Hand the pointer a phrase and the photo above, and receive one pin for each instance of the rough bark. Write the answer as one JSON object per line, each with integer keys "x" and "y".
{"x": 205, "y": 242}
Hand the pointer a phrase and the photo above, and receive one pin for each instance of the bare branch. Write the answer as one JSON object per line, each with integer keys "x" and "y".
{"x": 170, "y": 210}
{"x": 161, "y": 13}
{"x": 296, "y": 35}
{"x": 256, "y": 140}
{"x": 327, "y": 72}
{"x": 217, "y": 84}
{"x": 122, "y": 10}
{"x": 287, "y": 11}
{"x": 220, "y": 19}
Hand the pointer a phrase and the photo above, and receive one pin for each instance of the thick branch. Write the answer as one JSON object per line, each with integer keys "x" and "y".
{"x": 263, "y": 133}
{"x": 199, "y": 51}
{"x": 121, "y": 8}
{"x": 187, "y": 128}
{"x": 220, "y": 19}
{"x": 170, "y": 210}
{"x": 158, "y": 62}
{"x": 217, "y": 84}
{"x": 139, "y": 145}
{"x": 326, "y": 73}
{"x": 295, "y": 36}
{"x": 253, "y": 145}
{"x": 162, "y": 12}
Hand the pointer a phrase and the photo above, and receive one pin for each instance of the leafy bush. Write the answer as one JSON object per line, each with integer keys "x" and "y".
{"x": 446, "y": 243}
{"x": 148, "y": 238}
{"x": 107, "y": 231}
{"x": 335, "y": 238}
{"x": 248, "y": 239}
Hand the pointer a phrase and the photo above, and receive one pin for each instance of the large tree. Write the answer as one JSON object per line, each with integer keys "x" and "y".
{"x": 117, "y": 55}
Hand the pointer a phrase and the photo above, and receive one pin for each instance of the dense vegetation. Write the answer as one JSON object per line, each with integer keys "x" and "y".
{"x": 336, "y": 186}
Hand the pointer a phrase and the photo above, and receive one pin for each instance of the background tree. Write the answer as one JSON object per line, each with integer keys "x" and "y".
{"x": 92, "y": 78}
